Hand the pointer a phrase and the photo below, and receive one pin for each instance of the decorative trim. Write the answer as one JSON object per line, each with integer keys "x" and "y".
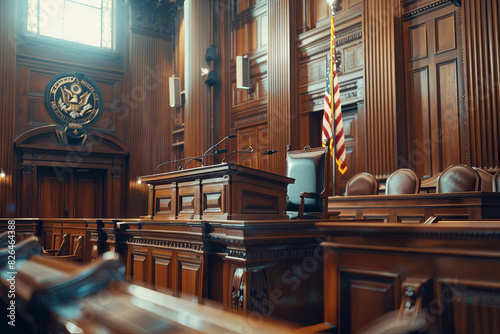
{"x": 348, "y": 18}
{"x": 271, "y": 254}
{"x": 238, "y": 295}
{"x": 164, "y": 243}
{"x": 157, "y": 16}
{"x": 349, "y": 39}
{"x": 116, "y": 173}
{"x": 27, "y": 169}
{"x": 426, "y": 8}
{"x": 348, "y": 31}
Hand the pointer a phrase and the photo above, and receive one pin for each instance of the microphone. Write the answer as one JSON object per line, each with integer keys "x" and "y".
{"x": 250, "y": 150}
{"x": 210, "y": 148}
{"x": 171, "y": 162}
{"x": 216, "y": 152}
{"x": 270, "y": 152}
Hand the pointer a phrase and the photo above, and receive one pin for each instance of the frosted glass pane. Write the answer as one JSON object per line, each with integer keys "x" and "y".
{"x": 32, "y": 16}
{"x": 82, "y": 24}
{"x": 51, "y": 18}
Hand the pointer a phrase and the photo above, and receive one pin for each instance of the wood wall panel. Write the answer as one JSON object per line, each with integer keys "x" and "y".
{"x": 7, "y": 104}
{"x": 149, "y": 137}
{"x": 200, "y": 117}
{"x": 447, "y": 83}
{"x": 379, "y": 32}
{"x": 283, "y": 88}
{"x": 436, "y": 136}
{"x": 481, "y": 38}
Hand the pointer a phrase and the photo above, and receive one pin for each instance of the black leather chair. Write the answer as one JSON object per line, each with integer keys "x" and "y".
{"x": 401, "y": 182}
{"x": 307, "y": 198}
{"x": 361, "y": 184}
{"x": 457, "y": 178}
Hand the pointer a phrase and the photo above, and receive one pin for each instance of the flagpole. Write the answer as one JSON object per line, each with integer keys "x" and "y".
{"x": 332, "y": 94}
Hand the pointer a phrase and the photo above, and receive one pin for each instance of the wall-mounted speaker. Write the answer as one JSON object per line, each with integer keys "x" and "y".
{"x": 242, "y": 72}
{"x": 211, "y": 78}
{"x": 211, "y": 54}
{"x": 175, "y": 91}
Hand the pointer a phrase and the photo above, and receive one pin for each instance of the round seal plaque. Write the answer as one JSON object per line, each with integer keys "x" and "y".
{"x": 74, "y": 101}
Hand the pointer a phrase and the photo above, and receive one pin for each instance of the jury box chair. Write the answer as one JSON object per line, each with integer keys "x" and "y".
{"x": 403, "y": 181}
{"x": 307, "y": 198}
{"x": 362, "y": 184}
{"x": 458, "y": 178}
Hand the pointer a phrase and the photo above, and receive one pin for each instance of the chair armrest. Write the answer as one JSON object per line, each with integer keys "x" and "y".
{"x": 45, "y": 251}
{"x": 309, "y": 195}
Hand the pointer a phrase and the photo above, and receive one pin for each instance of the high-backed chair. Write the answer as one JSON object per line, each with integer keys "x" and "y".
{"x": 486, "y": 179}
{"x": 361, "y": 184}
{"x": 457, "y": 178}
{"x": 307, "y": 197}
{"x": 63, "y": 251}
{"x": 496, "y": 182}
{"x": 401, "y": 182}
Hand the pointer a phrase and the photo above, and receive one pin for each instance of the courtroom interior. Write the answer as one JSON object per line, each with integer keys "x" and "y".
{"x": 250, "y": 166}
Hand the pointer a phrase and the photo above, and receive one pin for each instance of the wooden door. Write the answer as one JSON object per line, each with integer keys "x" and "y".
{"x": 71, "y": 193}
{"x": 433, "y": 89}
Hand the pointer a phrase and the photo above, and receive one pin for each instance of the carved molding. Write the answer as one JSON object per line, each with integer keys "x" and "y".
{"x": 348, "y": 18}
{"x": 27, "y": 169}
{"x": 156, "y": 16}
{"x": 246, "y": 254}
{"x": 164, "y": 243}
{"x": 237, "y": 294}
{"x": 426, "y": 8}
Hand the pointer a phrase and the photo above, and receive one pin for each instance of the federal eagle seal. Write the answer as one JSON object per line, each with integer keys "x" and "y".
{"x": 75, "y": 102}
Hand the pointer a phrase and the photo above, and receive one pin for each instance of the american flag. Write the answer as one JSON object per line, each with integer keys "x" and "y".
{"x": 331, "y": 76}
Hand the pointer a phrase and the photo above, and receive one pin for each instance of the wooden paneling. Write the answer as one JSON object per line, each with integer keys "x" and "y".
{"x": 481, "y": 38}
{"x": 283, "y": 99}
{"x": 365, "y": 296}
{"x": 138, "y": 266}
{"x": 149, "y": 117}
{"x": 380, "y": 38}
{"x": 200, "y": 115}
{"x": 433, "y": 63}
{"x": 162, "y": 271}
{"x": 7, "y": 104}
{"x": 257, "y": 138}
{"x": 190, "y": 274}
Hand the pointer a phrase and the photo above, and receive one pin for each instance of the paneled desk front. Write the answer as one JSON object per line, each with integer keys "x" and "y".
{"x": 417, "y": 208}
{"x": 223, "y": 191}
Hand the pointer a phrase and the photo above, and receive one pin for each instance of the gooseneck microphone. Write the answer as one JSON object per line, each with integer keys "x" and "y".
{"x": 174, "y": 161}
{"x": 250, "y": 150}
{"x": 216, "y": 152}
{"x": 212, "y": 147}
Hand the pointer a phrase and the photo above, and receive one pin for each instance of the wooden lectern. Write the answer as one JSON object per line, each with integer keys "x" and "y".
{"x": 223, "y": 191}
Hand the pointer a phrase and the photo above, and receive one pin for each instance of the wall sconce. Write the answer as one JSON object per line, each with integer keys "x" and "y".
{"x": 139, "y": 181}
{"x": 242, "y": 72}
{"x": 2, "y": 173}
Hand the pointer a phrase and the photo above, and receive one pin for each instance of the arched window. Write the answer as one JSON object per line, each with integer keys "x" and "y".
{"x": 83, "y": 21}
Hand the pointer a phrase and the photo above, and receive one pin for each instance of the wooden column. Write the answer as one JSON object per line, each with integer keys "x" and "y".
{"x": 481, "y": 40}
{"x": 379, "y": 33}
{"x": 283, "y": 95}
{"x": 7, "y": 103}
{"x": 198, "y": 110}
{"x": 149, "y": 114}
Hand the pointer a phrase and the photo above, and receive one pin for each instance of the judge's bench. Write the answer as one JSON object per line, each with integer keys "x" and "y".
{"x": 221, "y": 233}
